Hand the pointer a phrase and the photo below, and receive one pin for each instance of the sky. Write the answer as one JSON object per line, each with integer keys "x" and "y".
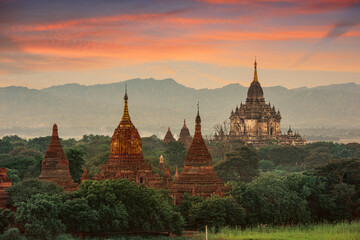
{"x": 198, "y": 43}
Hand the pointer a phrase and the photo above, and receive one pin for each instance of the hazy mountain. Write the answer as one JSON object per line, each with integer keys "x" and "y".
{"x": 156, "y": 104}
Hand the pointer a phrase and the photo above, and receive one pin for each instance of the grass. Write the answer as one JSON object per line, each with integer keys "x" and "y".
{"x": 340, "y": 231}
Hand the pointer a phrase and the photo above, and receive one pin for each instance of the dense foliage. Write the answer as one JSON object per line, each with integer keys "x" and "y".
{"x": 273, "y": 185}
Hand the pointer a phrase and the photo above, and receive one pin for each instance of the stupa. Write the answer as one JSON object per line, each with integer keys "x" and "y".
{"x": 55, "y": 165}
{"x": 185, "y": 136}
{"x": 168, "y": 137}
{"x": 126, "y": 159}
{"x": 198, "y": 176}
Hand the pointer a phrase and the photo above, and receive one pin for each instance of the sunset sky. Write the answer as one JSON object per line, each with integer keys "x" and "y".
{"x": 199, "y": 43}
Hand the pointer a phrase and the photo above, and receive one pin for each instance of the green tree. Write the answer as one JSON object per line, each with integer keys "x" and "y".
{"x": 343, "y": 176}
{"x": 216, "y": 212}
{"x": 41, "y": 143}
{"x": 5, "y": 146}
{"x": 146, "y": 208}
{"x": 76, "y": 163}
{"x": 6, "y": 218}
{"x": 39, "y": 216}
{"x": 22, "y": 191}
{"x": 317, "y": 157}
{"x": 175, "y": 153}
{"x": 13, "y": 174}
{"x": 186, "y": 205}
{"x": 79, "y": 217}
{"x": 286, "y": 155}
{"x": 12, "y": 234}
{"x": 239, "y": 166}
{"x": 282, "y": 205}
{"x": 253, "y": 204}
{"x": 266, "y": 165}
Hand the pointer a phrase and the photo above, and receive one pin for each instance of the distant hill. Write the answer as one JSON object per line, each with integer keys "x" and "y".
{"x": 156, "y": 104}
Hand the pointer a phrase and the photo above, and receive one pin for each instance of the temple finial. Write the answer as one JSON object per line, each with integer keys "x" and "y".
{"x": 126, "y": 96}
{"x": 55, "y": 130}
{"x": 198, "y": 119}
{"x": 255, "y": 79}
{"x": 198, "y": 109}
{"x": 125, "y": 116}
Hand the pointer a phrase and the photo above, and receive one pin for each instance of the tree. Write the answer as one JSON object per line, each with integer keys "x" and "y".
{"x": 145, "y": 209}
{"x": 281, "y": 204}
{"x": 216, "y": 212}
{"x": 175, "y": 153}
{"x": 253, "y": 204}
{"x": 79, "y": 217}
{"x": 22, "y": 192}
{"x": 41, "y": 143}
{"x": 266, "y": 165}
{"x": 13, "y": 174}
{"x": 239, "y": 166}
{"x": 12, "y": 234}
{"x": 76, "y": 163}
{"x": 286, "y": 155}
{"x": 186, "y": 205}
{"x": 343, "y": 176}
{"x": 26, "y": 166}
{"x": 39, "y": 216}
{"x": 5, "y": 146}
{"x": 317, "y": 157}
{"x": 6, "y": 218}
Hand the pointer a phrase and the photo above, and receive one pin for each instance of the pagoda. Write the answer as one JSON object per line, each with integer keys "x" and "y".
{"x": 168, "y": 137}
{"x": 5, "y": 182}
{"x": 185, "y": 136}
{"x": 55, "y": 165}
{"x": 85, "y": 175}
{"x": 257, "y": 122}
{"x": 198, "y": 176}
{"x": 126, "y": 159}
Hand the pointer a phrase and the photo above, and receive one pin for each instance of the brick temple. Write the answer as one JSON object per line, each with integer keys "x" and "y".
{"x": 198, "y": 176}
{"x": 126, "y": 159}
{"x": 257, "y": 122}
{"x": 55, "y": 165}
{"x": 168, "y": 137}
{"x": 5, "y": 182}
{"x": 185, "y": 136}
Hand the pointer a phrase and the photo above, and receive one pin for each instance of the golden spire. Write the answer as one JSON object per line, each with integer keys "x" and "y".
{"x": 125, "y": 116}
{"x": 255, "y": 72}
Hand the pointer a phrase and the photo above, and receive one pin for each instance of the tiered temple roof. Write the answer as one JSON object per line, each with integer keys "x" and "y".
{"x": 161, "y": 165}
{"x": 168, "y": 136}
{"x": 256, "y": 121}
{"x": 126, "y": 159}
{"x": 85, "y": 175}
{"x": 5, "y": 182}
{"x": 55, "y": 165}
{"x": 185, "y": 136}
{"x": 198, "y": 176}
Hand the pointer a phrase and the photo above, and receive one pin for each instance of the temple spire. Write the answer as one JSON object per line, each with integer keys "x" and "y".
{"x": 125, "y": 116}
{"x": 255, "y": 79}
{"x": 198, "y": 119}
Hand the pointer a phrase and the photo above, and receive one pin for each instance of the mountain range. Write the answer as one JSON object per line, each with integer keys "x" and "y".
{"x": 156, "y": 104}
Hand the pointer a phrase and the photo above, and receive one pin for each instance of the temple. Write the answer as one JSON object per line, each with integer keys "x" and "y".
{"x": 168, "y": 136}
{"x": 198, "y": 176}
{"x": 185, "y": 136}
{"x": 5, "y": 182}
{"x": 55, "y": 165}
{"x": 85, "y": 175}
{"x": 257, "y": 122}
{"x": 126, "y": 159}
